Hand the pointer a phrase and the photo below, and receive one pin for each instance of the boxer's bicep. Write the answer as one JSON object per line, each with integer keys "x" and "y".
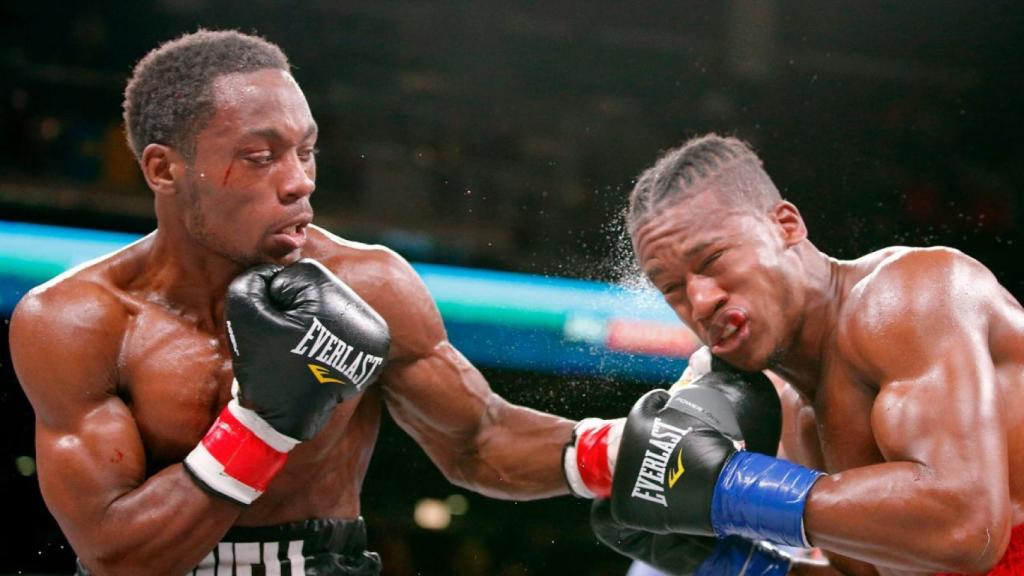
{"x": 946, "y": 416}
{"x": 87, "y": 464}
{"x": 924, "y": 342}
{"x": 88, "y": 448}
{"x": 945, "y": 423}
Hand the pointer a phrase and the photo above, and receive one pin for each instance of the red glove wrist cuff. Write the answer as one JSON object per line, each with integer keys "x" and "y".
{"x": 590, "y": 460}
{"x": 239, "y": 455}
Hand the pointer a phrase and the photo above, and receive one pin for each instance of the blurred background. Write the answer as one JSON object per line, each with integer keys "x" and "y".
{"x": 505, "y": 136}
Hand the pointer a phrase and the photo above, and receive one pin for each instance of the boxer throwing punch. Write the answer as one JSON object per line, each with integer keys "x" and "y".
{"x": 149, "y": 461}
{"x": 906, "y": 367}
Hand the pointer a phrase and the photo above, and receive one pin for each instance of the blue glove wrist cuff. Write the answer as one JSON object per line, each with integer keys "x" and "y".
{"x": 762, "y": 498}
{"x": 735, "y": 556}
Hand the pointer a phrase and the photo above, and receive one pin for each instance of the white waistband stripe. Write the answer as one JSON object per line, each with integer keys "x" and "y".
{"x": 239, "y": 558}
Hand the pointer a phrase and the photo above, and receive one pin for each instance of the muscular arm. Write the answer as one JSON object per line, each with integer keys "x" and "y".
{"x": 479, "y": 440}
{"x": 941, "y": 501}
{"x": 91, "y": 461}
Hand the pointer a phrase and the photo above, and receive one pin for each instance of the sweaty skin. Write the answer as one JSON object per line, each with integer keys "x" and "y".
{"x": 126, "y": 363}
{"x": 905, "y": 369}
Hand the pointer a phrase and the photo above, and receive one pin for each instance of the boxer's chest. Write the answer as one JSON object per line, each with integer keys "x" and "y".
{"x": 842, "y": 411}
{"x": 175, "y": 379}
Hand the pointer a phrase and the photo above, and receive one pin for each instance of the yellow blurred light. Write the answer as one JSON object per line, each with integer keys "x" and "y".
{"x": 432, "y": 514}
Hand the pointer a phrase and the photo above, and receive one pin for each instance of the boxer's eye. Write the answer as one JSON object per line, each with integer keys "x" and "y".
{"x": 260, "y": 159}
{"x": 710, "y": 260}
{"x": 671, "y": 289}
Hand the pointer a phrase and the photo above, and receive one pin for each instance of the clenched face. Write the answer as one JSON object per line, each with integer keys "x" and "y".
{"x": 728, "y": 274}
{"x": 247, "y": 190}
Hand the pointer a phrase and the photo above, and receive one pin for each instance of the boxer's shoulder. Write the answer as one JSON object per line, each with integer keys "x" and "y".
{"x": 909, "y": 281}
{"x": 82, "y": 298}
{"x": 356, "y": 263}
{"x": 904, "y": 298}
{"x": 66, "y": 337}
{"x": 92, "y": 290}
{"x": 388, "y": 283}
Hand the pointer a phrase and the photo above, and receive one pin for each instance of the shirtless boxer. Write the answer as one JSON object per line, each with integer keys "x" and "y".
{"x": 906, "y": 367}
{"x": 128, "y": 361}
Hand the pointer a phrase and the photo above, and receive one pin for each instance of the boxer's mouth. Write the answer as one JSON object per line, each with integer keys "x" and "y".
{"x": 293, "y": 233}
{"x": 728, "y": 323}
{"x": 295, "y": 226}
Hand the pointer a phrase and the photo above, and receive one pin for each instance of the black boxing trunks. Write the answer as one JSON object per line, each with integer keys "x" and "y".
{"x": 322, "y": 547}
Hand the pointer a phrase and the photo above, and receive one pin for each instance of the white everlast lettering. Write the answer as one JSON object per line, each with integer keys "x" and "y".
{"x": 332, "y": 341}
{"x": 320, "y": 344}
{"x": 665, "y": 446}
{"x": 652, "y": 469}
{"x": 650, "y": 480}
{"x": 648, "y": 491}
{"x": 350, "y": 370}
{"x": 321, "y": 339}
{"x": 301, "y": 347}
{"x": 339, "y": 353}
{"x": 369, "y": 363}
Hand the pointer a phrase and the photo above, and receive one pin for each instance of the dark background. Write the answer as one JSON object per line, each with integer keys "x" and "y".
{"x": 506, "y": 134}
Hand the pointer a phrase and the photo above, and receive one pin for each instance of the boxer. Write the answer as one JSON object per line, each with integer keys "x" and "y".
{"x": 906, "y": 366}
{"x": 149, "y": 458}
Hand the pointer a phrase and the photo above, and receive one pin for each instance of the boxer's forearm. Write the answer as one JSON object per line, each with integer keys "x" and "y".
{"x": 516, "y": 454}
{"x": 167, "y": 525}
{"x": 900, "y": 515}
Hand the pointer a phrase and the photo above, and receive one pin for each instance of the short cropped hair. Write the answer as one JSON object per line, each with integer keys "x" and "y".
{"x": 677, "y": 175}
{"x": 170, "y": 93}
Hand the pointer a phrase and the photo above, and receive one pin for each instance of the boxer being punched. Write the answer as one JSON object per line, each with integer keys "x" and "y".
{"x": 905, "y": 369}
{"x": 149, "y": 461}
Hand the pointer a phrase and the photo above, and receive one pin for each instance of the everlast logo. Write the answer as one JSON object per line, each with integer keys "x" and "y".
{"x": 322, "y": 346}
{"x": 650, "y": 482}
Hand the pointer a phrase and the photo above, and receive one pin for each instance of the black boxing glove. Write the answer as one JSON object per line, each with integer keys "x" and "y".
{"x": 681, "y": 468}
{"x": 682, "y": 554}
{"x": 301, "y": 342}
{"x": 751, "y": 395}
{"x": 590, "y": 455}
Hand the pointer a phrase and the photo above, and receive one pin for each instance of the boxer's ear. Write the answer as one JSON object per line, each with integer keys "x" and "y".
{"x": 790, "y": 223}
{"x": 162, "y": 167}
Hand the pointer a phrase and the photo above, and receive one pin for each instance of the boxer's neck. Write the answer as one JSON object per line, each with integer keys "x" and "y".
{"x": 825, "y": 287}
{"x": 189, "y": 277}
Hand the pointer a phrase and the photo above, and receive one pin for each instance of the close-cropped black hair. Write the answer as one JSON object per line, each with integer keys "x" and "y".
{"x": 170, "y": 93}
{"x": 678, "y": 174}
